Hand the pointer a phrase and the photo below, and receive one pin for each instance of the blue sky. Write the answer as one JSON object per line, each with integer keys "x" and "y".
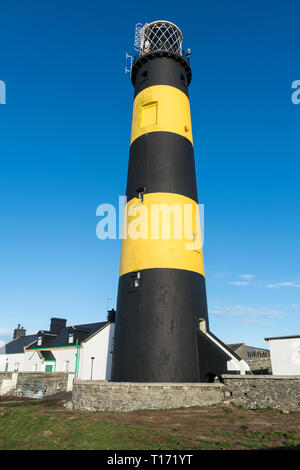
{"x": 64, "y": 142}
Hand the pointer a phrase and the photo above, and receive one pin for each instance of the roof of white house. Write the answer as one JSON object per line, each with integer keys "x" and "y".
{"x": 61, "y": 338}
{"x": 282, "y": 337}
{"x": 58, "y": 336}
{"x": 17, "y": 345}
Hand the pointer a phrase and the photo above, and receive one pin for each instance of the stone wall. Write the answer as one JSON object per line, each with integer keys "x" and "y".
{"x": 7, "y": 382}
{"x": 113, "y": 396}
{"x": 55, "y": 381}
{"x": 261, "y": 391}
{"x": 5, "y": 375}
{"x": 262, "y": 363}
{"x": 249, "y": 391}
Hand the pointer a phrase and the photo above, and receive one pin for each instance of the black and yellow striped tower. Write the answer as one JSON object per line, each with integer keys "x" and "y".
{"x": 161, "y": 293}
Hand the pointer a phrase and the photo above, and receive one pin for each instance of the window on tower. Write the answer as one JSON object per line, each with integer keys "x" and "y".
{"x": 149, "y": 114}
{"x": 135, "y": 282}
{"x": 140, "y": 193}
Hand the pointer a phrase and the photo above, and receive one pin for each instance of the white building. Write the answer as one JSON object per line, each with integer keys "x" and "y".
{"x": 85, "y": 350}
{"x": 285, "y": 355}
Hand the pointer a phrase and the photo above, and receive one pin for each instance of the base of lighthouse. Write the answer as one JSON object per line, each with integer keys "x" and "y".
{"x": 158, "y": 335}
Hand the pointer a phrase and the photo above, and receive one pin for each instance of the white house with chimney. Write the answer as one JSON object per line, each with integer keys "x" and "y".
{"x": 85, "y": 350}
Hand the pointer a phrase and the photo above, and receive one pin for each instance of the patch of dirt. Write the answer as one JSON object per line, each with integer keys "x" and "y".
{"x": 236, "y": 427}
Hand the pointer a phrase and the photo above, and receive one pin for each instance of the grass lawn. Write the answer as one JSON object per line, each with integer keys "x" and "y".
{"x": 46, "y": 424}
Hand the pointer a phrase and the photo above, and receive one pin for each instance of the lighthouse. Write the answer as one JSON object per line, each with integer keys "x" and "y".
{"x": 162, "y": 330}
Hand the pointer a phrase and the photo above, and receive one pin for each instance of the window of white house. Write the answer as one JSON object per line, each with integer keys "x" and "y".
{"x": 67, "y": 366}
{"x": 16, "y": 366}
{"x": 71, "y": 337}
{"x": 35, "y": 367}
{"x": 39, "y": 341}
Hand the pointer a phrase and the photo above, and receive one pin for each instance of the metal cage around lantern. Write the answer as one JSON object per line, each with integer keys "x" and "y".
{"x": 161, "y": 36}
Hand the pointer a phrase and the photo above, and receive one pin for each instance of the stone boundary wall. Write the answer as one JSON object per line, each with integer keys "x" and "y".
{"x": 7, "y": 382}
{"x": 55, "y": 381}
{"x": 5, "y": 375}
{"x": 249, "y": 391}
{"x": 261, "y": 391}
{"x": 11, "y": 382}
{"x": 114, "y": 396}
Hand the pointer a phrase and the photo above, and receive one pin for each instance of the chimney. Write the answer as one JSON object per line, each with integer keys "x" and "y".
{"x": 57, "y": 324}
{"x": 18, "y": 332}
{"x": 111, "y": 315}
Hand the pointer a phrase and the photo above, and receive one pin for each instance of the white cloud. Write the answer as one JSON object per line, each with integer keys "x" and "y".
{"x": 245, "y": 280}
{"x": 284, "y": 284}
{"x": 239, "y": 283}
{"x": 220, "y": 275}
{"x": 6, "y": 331}
{"x": 232, "y": 311}
{"x": 1, "y": 343}
{"x": 248, "y": 313}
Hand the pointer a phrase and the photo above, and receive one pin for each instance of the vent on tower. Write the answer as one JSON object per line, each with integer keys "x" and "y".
{"x": 160, "y": 36}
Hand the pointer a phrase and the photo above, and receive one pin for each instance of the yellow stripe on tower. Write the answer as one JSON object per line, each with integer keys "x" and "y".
{"x": 161, "y": 108}
{"x": 163, "y": 231}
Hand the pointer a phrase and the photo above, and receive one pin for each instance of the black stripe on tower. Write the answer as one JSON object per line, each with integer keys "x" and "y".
{"x": 157, "y": 330}
{"x": 161, "y": 68}
{"x": 162, "y": 162}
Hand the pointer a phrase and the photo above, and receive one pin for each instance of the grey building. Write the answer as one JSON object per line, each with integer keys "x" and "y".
{"x": 258, "y": 359}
